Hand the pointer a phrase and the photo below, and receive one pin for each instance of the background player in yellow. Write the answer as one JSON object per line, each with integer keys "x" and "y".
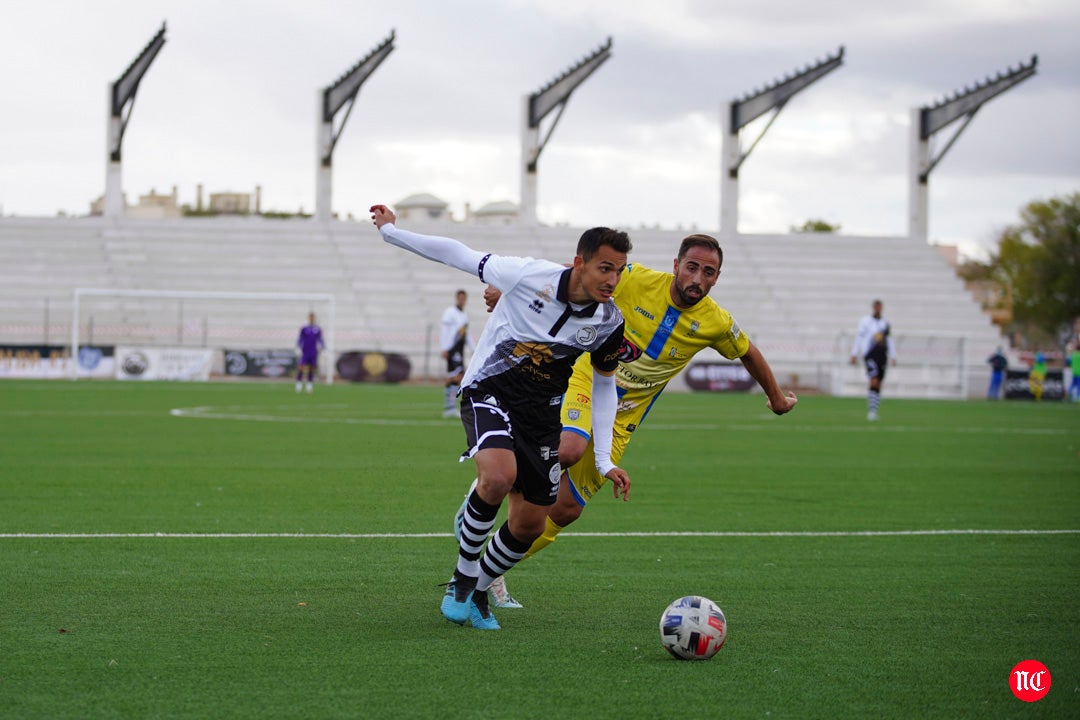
{"x": 669, "y": 319}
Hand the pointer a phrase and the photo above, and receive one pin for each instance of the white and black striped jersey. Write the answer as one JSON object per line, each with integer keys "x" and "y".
{"x": 527, "y": 350}
{"x": 528, "y": 347}
{"x": 872, "y": 332}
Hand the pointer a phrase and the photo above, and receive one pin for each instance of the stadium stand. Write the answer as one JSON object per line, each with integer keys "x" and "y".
{"x": 799, "y": 296}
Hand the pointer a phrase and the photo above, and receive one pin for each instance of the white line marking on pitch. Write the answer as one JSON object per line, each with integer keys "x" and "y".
{"x": 370, "y": 536}
{"x": 208, "y": 412}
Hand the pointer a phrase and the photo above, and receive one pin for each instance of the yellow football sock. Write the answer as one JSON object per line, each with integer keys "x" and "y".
{"x": 550, "y": 531}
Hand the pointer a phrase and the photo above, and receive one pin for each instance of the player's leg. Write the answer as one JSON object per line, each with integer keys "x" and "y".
{"x": 487, "y": 430}
{"x": 307, "y": 365}
{"x": 524, "y": 523}
{"x": 450, "y": 401}
{"x": 299, "y": 378}
{"x": 454, "y": 372}
{"x": 535, "y": 490}
{"x": 875, "y": 372}
{"x": 495, "y": 475}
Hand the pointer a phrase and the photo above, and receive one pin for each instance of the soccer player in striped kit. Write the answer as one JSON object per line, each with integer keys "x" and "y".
{"x": 512, "y": 392}
{"x": 873, "y": 343}
{"x": 453, "y": 339}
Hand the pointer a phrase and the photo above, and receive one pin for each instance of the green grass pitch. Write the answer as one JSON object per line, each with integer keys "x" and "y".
{"x": 236, "y": 550}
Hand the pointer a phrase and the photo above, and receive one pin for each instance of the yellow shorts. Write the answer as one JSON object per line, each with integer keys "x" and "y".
{"x": 585, "y": 479}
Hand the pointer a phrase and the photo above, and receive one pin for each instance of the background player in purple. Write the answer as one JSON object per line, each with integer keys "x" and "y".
{"x": 309, "y": 342}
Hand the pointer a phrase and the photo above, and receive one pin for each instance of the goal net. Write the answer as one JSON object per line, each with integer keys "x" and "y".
{"x": 218, "y": 321}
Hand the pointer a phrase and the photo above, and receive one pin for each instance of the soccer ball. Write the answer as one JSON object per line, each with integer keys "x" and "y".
{"x": 693, "y": 628}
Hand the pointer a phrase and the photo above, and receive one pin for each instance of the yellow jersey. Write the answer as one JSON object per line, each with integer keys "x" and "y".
{"x": 659, "y": 340}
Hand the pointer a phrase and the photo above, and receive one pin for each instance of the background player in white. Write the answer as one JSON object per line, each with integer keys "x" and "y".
{"x": 453, "y": 340}
{"x": 873, "y": 343}
{"x": 512, "y": 393}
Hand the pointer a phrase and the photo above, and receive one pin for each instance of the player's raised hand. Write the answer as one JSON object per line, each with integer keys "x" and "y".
{"x": 380, "y": 215}
{"x": 620, "y": 482}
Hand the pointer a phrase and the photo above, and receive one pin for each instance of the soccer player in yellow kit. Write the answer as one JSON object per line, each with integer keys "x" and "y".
{"x": 669, "y": 319}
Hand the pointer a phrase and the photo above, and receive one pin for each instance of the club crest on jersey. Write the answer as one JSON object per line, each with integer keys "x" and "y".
{"x": 586, "y": 335}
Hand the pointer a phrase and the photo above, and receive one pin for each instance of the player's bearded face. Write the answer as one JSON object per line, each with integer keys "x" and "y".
{"x": 695, "y": 275}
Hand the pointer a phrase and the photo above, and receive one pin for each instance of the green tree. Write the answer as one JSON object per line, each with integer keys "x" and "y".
{"x": 816, "y": 226}
{"x": 1040, "y": 260}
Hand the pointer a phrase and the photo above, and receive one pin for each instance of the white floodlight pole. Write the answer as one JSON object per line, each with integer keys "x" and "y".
{"x": 324, "y": 175}
{"x": 530, "y": 150}
{"x": 729, "y": 176}
{"x": 114, "y": 189}
{"x": 919, "y": 192}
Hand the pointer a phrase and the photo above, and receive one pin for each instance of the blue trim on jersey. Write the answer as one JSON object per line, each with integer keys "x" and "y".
{"x": 579, "y": 431}
{"x": 651, "y": 403}
{"x": 663, "y": 332}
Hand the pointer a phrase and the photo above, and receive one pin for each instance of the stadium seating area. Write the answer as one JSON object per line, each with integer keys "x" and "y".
{"x": 798, "y": 296}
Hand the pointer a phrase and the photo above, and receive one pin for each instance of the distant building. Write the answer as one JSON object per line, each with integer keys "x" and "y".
{"x": 154, "y": 205}
{"x": 151, "y": 205}
{"x": 502, "y": 212}
{"x": 230, "y": 203}
{"x": 422, "y": 206}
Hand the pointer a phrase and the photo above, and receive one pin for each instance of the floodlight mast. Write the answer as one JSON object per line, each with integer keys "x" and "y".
{"x": 330, "y": 100}
{"x": 743, "y": 111}
{"x": 537, "y": 106}
{"x": 929, "y": 119}
{"x": 121, "y": 94}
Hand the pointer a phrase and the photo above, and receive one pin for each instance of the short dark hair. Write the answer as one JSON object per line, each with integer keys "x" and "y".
{"x": 595, "y": 238}
{"x": 703, "y": 241}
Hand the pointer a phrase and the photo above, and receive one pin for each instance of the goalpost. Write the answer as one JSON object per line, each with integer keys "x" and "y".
{"x": 197, "y": 318}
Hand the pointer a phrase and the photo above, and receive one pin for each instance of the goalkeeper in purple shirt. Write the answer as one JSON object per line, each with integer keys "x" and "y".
{"x": 309, "y": 342}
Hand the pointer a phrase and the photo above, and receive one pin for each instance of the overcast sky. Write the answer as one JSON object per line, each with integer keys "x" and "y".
{"x": 230, "y": 102}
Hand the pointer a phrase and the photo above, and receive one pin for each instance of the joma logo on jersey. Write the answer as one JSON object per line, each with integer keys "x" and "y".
{"x": 644, "y": 312}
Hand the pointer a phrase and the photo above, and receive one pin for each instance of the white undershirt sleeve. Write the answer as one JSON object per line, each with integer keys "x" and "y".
{"x": 441, "y": 249}
{"x": 605, "y": 400}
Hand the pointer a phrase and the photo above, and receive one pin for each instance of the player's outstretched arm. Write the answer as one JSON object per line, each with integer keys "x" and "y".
{"x": 441, "y": 249}
{"x": 755, "y": 364}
